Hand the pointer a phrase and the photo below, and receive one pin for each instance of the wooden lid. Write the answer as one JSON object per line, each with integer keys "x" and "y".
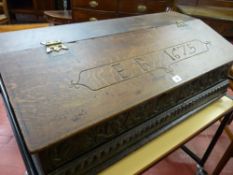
{"x": 57, "y": 95}
{"x": 21, "y": 40}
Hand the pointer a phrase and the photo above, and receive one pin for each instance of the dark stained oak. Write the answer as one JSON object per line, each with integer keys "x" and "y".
{"x": 97, "y": 78}
{"x": 75, "y": 32}
{"x": 105, "y": 5}
{"x": 113, "y": 77}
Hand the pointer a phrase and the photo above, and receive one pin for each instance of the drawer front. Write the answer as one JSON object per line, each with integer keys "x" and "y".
{"x": 80, "y": 15}
{"x": 142, "y": 6}
{"x": 106, "y": 5}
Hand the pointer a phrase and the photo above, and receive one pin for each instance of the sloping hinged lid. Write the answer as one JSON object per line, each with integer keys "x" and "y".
{"x": 60, "y": 94}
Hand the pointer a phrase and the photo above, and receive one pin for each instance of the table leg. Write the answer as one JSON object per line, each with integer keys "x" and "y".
{"x": 218, "y": 133}
{"x": 225, "y": 158}
{"x": 201, "y": 161}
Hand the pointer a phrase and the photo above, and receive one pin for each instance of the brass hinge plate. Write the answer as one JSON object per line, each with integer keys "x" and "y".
{"x": 54, "y": 46}
{"x": 181, "y": 23}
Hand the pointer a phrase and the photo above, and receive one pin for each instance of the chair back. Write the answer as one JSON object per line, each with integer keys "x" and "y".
{"x": 4, "y": 17}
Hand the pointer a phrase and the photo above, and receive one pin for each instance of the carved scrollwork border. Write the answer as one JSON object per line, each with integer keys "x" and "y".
{"x": 114, "y": 150}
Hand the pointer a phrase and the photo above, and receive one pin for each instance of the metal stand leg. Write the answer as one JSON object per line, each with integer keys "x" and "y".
{"x": 215, "y": 138}
{"x": 200, "y": 170}
{"x": 191, "y": 154}
{"x": 201, "y": 161}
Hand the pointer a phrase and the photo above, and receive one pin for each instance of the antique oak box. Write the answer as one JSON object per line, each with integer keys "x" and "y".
{"x": 109, "y": 88}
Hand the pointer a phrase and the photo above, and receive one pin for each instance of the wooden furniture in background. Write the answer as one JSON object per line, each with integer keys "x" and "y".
{"x": 4, "y": 18}
{"x": 16, "y": 27}
{"x": 92, "y": 10}
{"x": 58, "y": 16}
{"x": 217, "y": 14}
{"x": 34, "y": 7}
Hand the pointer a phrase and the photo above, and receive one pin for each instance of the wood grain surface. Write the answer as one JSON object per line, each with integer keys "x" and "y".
{"x": 57, "y": 95}
{"x": 22, "y": 40}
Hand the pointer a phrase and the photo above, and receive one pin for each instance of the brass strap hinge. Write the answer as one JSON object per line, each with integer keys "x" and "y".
{"x": 181, "y": 23}
{"x": 54, "y": 46}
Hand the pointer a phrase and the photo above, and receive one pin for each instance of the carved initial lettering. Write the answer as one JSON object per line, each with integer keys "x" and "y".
{"x": 120, "y": 70}
{"x": 143, "y": 64}
{"x": 153, "y": 64}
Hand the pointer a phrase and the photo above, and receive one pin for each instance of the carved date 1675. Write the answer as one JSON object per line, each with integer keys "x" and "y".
{"x": 157, "y": 63}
